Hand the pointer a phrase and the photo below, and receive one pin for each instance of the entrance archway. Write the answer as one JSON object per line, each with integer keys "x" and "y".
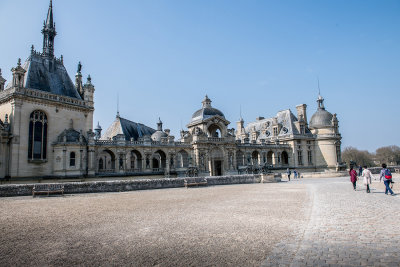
{"x": 136, "y": 160}
{"x": 106, "y": 161}
{"x": 159, "y": 159}
{"x": 217, "y": 162}
{"x": 182, "y": 159}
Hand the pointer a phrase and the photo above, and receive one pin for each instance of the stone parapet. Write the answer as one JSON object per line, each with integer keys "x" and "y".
{"x": 121, "y": 186}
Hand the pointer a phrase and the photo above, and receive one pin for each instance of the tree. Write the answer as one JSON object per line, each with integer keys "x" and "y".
{"x": 359, "y": 157}
{"x": 389, "y": 155}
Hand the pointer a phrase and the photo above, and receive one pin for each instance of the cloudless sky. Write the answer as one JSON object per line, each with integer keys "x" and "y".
{"x": 162, "y": 57}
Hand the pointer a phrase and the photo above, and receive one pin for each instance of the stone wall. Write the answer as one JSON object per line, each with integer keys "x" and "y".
{"x": 121, "y": 186}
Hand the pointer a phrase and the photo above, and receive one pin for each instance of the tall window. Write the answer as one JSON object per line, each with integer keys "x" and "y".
{"x": 72, "y": 159}
{"x": 309, "y": 154}
{"x": 37, "y": 143}
{"x": 300, "y": 157}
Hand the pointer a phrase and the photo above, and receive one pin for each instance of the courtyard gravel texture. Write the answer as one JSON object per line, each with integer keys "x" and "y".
{"x": 233, "y": 225}
{"x": 304, "y": 222}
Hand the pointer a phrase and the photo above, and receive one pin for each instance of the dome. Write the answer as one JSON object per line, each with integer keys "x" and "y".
{"x": 321, "y": 118}
{"x": 158, "y": 135}
{"x": 206, "y": 111}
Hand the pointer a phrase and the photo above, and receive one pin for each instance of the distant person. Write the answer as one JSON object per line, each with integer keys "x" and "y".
{"x": 288, "y": 173}
{"x": 386, "y": 176}
{"x": 360, "y": 170}
{"x": 367, "y": 178}
{"x": 353, "y": 177}
{"x": 295, "y": 174}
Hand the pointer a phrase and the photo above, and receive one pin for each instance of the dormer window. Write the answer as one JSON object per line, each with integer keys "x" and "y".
{"x": 302, "y": 128}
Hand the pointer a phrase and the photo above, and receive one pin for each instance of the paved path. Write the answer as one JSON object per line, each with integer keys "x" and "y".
{"x": 345, "y": 228}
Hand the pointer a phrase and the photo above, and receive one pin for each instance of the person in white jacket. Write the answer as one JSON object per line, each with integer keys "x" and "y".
{"x": 367, "y": 178}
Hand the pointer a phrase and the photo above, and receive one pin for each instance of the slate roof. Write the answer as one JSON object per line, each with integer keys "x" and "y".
{"x": 205, "y": 113}
{"x": 285, "y": 117}
{"x": 49, "y": 75}
{"x": 128, "y": 128}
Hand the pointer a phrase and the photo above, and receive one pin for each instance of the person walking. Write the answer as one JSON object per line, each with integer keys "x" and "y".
{"x": 367, "y": 178}
{"x": 360, "y": 170}
{"x": 295, "y": 174}
{"x": 353, "y": 177}
{"x": 288, "y": 173}
{"x": 386, "y": 176}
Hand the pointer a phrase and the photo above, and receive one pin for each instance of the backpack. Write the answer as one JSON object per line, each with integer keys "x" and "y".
{"x": 388, "y": 174}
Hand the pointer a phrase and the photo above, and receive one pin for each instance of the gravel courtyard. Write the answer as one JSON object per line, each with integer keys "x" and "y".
{"x": 235, "y": 225}
{"x": 306, "y": 222}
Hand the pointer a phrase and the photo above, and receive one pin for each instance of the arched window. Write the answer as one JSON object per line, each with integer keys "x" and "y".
{"x": 72, "y": 159}
{"x": 37, "y": 143}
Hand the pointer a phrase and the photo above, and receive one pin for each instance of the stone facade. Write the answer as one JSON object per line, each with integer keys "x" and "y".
{"x": 46, "y": 123}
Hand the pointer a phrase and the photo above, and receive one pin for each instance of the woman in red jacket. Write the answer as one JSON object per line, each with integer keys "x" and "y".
{"x": 353, "y": 177}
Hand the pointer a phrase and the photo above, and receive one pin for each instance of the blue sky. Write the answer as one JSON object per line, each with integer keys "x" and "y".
{"x": 162, "y": 57}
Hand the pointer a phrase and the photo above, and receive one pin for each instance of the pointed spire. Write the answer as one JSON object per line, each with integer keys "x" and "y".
{"x": 49, "y": 19}
{"x": 320, "y": 99}
{"x": 117, "y": 105}
{"x": 49, "y": 32}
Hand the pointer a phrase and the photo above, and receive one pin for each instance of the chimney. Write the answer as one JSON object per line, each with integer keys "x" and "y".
{"x": 302, "y": 112}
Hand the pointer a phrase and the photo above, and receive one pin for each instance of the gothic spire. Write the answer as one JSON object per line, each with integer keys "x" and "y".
{"x": 49, "y": 32}
{"x": 49, "y": 20}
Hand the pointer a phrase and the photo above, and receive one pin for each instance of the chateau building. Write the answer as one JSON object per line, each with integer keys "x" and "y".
{"x": 46, "y": 123}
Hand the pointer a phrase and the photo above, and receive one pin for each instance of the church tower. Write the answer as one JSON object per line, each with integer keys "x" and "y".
{"x": 43, "y": 144}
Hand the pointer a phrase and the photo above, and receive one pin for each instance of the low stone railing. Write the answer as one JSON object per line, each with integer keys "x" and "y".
{"x": 128, "y": 185}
